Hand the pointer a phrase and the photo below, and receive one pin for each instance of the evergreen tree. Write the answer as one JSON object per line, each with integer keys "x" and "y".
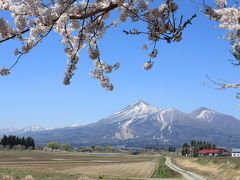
{"x": 185, "y": 149}
{"x": 4, "y": 140}
{"x": 12, "y": 140}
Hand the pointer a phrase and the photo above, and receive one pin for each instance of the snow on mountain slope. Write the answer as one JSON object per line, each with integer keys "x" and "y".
{"x": 32, "y": 129}
{"x": 16, "y": 130}
{"x": 125, "y": 131}
{"x": 165, "y": 117}
{"x": 213, "y": 117}
{"x": 140, "y": 119}
{"x": 205, "y": 114}
{"x": 74, "y": 125}
{"x": 128, "y": 116}
{"x": 161, "y": 119}
{"x": 143, "y": 125}
{"x": 137, "y": 109}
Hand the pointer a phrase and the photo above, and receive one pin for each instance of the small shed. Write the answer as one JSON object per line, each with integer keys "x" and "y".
{"x": 236, "y": 152}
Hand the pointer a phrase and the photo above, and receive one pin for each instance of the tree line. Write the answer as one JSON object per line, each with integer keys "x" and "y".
{"x": 196, "y": 146}
{"x": 11, "y": 141}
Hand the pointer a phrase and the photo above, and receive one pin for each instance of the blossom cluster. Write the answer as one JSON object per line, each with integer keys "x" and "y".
{"x": 229, "y": 19}
{"x": 161, "y": 24}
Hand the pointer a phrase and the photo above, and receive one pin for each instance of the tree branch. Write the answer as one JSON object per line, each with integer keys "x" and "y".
{"x": 222, "y": 86}
{"x": 94, "y": 12}
{"x": 13, "y": 36}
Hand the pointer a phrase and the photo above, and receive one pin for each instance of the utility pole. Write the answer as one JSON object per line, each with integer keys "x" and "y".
{"x": 229, "y": 144}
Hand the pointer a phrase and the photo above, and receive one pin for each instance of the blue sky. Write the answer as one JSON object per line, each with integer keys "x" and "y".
{"x": 34, "y": 94}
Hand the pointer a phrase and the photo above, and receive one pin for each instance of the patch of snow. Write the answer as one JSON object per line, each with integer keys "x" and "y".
{"x": 74, "y": 125}
{"x": 32, "y": 129}
{"x": 118, "y": 135}
{"x": 18, "y": 130}
{"x": 207, "y": 115}
{"x": 166, "y": 117}
{"x": 125, "y": 131}
{"x": 137, "y": 109}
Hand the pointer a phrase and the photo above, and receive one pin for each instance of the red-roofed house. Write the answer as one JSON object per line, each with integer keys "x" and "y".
{"x": 213, "y": 152}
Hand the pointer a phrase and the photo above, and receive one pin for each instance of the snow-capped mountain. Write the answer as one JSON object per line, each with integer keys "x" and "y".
{"x": 32, "y": 129}
{"x": 135, "y": 110}
{"x": 204, "y": 113}
{"x": 141, "y": 124}
{"x": 16, "y": 130}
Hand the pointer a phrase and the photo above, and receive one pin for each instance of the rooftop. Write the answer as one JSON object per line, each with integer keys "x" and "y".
{"x": 236, "y": 150}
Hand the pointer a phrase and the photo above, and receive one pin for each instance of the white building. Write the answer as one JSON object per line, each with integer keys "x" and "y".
{"x": 235, "y": 152}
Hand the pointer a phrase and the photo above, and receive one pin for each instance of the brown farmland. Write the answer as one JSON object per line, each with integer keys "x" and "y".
{"x": 60, "y": 165}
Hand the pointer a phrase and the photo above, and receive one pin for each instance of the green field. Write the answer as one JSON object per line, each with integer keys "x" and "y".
{"x": 164, "y": 171}
{"x": 75, "y": 165}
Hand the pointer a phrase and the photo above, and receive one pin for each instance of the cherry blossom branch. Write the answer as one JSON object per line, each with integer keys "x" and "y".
{"x": 228, "y": 19}
{"x": 223, "y": 85}
{"x": 79, "y": 23}
{"x": 13, "y": 36}
{"x": 94, "y": 12}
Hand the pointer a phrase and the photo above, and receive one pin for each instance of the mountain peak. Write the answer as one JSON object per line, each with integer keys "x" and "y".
{"x": 141, "y": 122}
{"x": 204, "y": 114}
{"x": 141, "y": 103}
{"x": 198, "y": 111}
{"x": 203, "y": 108}
{"x": 138, "y": 109}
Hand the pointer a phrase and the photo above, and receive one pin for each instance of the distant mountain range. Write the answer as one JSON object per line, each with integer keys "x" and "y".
{"x": 143, "y": 125}
{"x": 30, "y": 129}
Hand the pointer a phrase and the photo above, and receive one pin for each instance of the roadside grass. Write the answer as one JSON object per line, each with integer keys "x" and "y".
{"x": 224, "y": 168}
{"x": 237, "y": 164}
{"x": 219, "y": 160}
{"x": 183, "y": 162}
{"x": 203, "y": 161}
{"x": 163, "y": 171}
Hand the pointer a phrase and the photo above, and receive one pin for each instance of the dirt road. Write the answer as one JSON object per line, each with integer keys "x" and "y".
{"x": 186, "y": 174}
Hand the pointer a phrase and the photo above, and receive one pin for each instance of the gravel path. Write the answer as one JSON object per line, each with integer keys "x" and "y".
{"x": 186, "y": 174}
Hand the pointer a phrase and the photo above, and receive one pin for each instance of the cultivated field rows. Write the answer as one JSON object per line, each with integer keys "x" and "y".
{"x": 59, "y": 165}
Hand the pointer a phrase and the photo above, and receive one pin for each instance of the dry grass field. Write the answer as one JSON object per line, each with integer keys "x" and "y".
{"x": 217, "y": 168}
{"x": 70, "y": 166}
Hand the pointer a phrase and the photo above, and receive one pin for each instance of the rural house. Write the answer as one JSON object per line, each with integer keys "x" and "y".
{"x": 236, "y": 152}
{"x": 213, "y": 152}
